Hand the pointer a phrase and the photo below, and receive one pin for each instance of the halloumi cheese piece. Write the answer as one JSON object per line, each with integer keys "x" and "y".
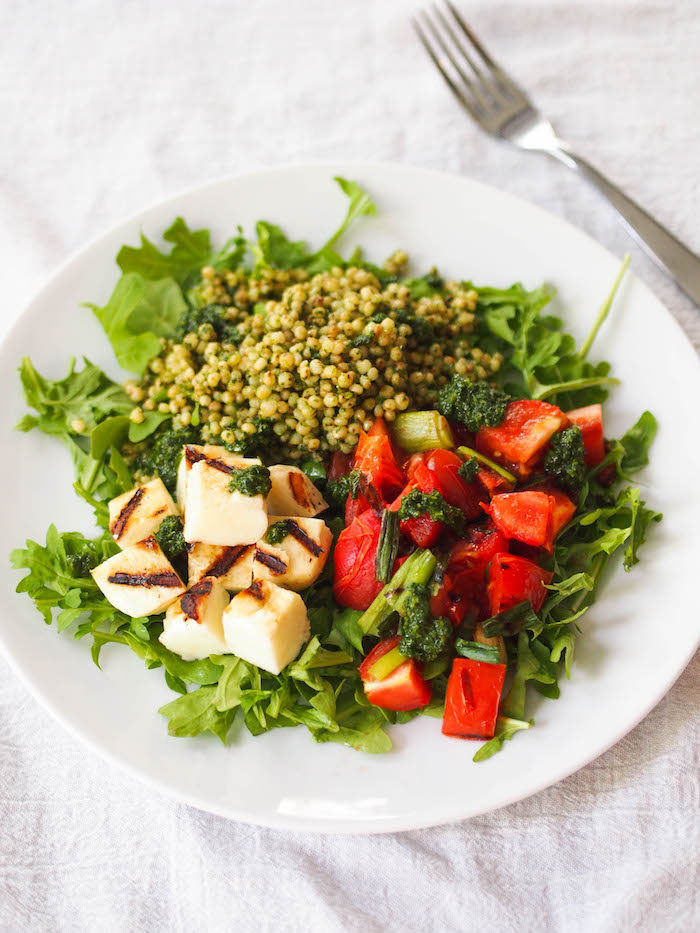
{"x": 266, "y": 625}
{"x": 193, "y": 453}
{"x": 137, "y": 514}
{"x": 293, "y": 493}
{"x": 139, "y": 581}
{"x": 299, "y": 558}
{"x": 231, "y": 566}
{"x": 213, "y": 514}
{"x": 192, "y": 626}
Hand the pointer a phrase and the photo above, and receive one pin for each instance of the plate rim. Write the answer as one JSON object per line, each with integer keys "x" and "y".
{"x": 278, "y": 820}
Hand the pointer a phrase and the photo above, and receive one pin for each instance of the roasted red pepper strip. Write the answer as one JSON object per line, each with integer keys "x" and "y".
{"x": 472, "y": 699}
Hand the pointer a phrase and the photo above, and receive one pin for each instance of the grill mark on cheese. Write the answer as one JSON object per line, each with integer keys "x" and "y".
{"x": 226, "y": 560}
{"x": 194, "y": 597}
{"x": 256, "y": 590}
{"x": 271, "y": 561}
{"x": 169, "y": 578}
{"x": 297, "y": 486}
{"x": 119, "y": 525}
{"x": 160, "y": 511}
{"x": 194, "y": 456}
{"x": 296, "y": 532}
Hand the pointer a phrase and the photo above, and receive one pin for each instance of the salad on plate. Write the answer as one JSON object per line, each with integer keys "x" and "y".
{"x": 332, "y": 493}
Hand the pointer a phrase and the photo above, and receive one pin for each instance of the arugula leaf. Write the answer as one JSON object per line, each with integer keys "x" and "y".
{"x": 59, "y": 581}
{"x": 274, "y": 249}
{"x": 137, "y": 315}
{"x": 73, "y": 405}
{"x": 533, "y": 662}
{"x": 636, "y": 443}
{"x": 360, "y": 205}
{"x": 191, "y": 251}
{"x": 152, "y": 420}
{"x": 197, "y": 712}
{"x": 506, "y": 728}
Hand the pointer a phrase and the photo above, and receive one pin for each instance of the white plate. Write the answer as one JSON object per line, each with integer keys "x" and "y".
{"x": 638, "y": 637}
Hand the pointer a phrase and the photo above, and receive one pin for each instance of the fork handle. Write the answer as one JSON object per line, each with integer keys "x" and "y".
{"x": 661, "y": 245}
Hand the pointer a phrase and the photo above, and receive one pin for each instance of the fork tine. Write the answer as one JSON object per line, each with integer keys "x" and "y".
{"x": 483, "y": 86}
{"x": 449, "y": 55}
{"x": 459, "y": 94}
{"x": 506, "y": 82}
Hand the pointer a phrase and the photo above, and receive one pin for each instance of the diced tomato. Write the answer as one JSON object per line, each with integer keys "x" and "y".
{"x": 445, "y": 464}
{"x": 513, "y": 579}
{"x": 410, "y": 465}
{"x": 473, "y": 696}
{"x": 378, "y": 428}
{"x": 375, "y": 458}
{"x": 525, "y": 516}
{"x": 590, "y": 421}
{"x": 422, "y": 530}
{"x": 355, "y": 507}
{"x": 403, "y": 689}
{"x": 493, "y": 482}
{"x": 355, "y": 583}
{"x": 563, "y": 508}
{"x": 522, "y": 435}
{"x": 463, "y": 589}
{"x": 340, "y": 465}
{"x": 480, "y": 545}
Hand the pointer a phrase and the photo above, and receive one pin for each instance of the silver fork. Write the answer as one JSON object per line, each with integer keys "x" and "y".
{"x": 502, "y": 108}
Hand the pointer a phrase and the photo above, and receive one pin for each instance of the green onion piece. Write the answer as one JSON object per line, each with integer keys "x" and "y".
{"x": 476, "y": 652}
{"x": 415, "y": 431}
{"x": 388, "y": 546}
{"x": 467, "y": 452}
{"x": 418, "y": 568}
{"x": 510, "y": 621}
{"x": 387, "y": 664}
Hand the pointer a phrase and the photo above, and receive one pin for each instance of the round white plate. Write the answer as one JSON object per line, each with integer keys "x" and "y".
{"x": 638, "y": 637}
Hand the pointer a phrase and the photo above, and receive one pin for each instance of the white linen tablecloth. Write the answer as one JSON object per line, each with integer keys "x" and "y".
{"x": 107, "y": 106}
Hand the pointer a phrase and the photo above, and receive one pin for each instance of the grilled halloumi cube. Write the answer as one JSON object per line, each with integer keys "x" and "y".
{"x": 139, "y": 581}
{"x": 298, "y": 559}
{"x": 293, "y": 493}
{"x": 137, "y": 514}
{"x": 192, "y": 626}
{"x": 192, "y": 453}
{"x": 231, "y": 566}
{"x": 266, "y": 625}
{"x": 213, "y": 514}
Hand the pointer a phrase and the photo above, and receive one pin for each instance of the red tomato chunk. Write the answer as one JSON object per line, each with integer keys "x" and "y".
{"x": 525, "y": 516}
{"x": 523, "y": 434}
{"x": 403, "y": 689}
{"x": 472, "y": 699}
{"x": 590, "y": 421}
{"x": 514, "y": 579}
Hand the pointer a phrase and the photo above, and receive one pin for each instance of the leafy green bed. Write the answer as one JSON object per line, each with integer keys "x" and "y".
{"x": 322, "y": 689}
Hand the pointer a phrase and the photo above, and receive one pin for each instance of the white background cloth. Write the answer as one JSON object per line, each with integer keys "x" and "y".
{"x": 107, "y": 106}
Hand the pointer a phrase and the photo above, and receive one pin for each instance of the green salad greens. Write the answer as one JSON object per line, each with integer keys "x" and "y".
{"x": 523, "y": 352}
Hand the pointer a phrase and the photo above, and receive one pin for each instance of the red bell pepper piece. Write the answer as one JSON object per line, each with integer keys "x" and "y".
{"x": 473, "y": 696}
{"x": 513, "y": 579}
{"x": 523, "y": 434}
{"x": 374, "y": 457}
{"x": 355, "y": 583}
{"x": 525, "y": 516}
{"x": 444, "y": 465}
{"x": 590, "y": 421}
{"x": 464, "y": 586}
{"x": 403, "y": 689}
{"x": 493, "y": 482}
